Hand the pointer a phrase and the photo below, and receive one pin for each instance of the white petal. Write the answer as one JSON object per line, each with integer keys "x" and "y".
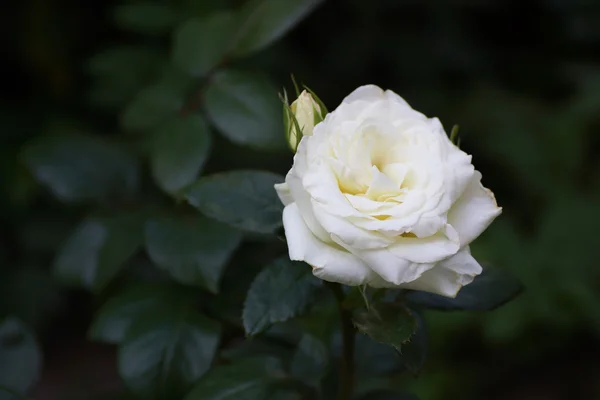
{"x": 329, "y": 262}
{"x": 389, "y": 227}
{"x": 283, "y": 191}
{"x": 365, "y": 93}
{"x": 393, "y": 96}
{"x": 431, "y": 249}
{"x": 368, "y": 206}
{"x": 381, "y": 184}
{"x": 302, "y": 200}
{"x": 448, "y": 276}
{"x": 458, "y": 172}
{"x": 396, "y": 171}
{"x": 387, "y": 265}
{"x": 474, "y": 211}
{"x": 348, "y": 232}
{"x": 428, "y": 226}
{"x": 323, "y": 188}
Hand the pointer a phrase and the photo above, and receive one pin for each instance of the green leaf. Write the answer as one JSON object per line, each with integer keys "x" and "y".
{"x": 82, "y": 168}
{"x": 179, "y": 150}
{"x": 124, "y": 60}
{"x": 388, "y": 395}
{"x": 374, "y": 359}
{"x": 199, "y": 44}
{"x": 490, "y": 290}
{"x": 193, "y": 249}
{"x": 164, "y": 354}
{"x": 385, "y": 323}
{"x": 245, "y": 108}
{"x": 119, "y": 73}
{"x": 414, "y": 352}
{"x": 20, "y": 358}
{"x": 285, "y": 395}
{"x": 259, "y": 346}
{"x": 243, "y": 199}
{"x": 280, "y": 291}
{"x": 248, "y": 379}
{"x": 145, "y": 17}
{"x": 30, "y": 294}
{"x": 97, "y": 250}
{"x": 114, "y": 318}
{"x": 152, "y": 106}
{"x": 310, "y": 361}
{"x": 261, "y": 22}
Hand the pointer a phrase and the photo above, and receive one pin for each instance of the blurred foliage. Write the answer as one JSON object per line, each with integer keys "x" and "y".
{"x": 112, "y": 109}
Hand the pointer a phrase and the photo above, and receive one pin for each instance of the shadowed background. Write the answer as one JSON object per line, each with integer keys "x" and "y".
{"x": 521, "y": 79}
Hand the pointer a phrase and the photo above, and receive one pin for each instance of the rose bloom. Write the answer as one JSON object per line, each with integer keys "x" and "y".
{"x": 379, "y": 195}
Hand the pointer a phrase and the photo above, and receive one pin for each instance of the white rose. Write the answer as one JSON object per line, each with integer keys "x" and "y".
{"x": 307, "y": 114}
{"x": 379, "y": 195}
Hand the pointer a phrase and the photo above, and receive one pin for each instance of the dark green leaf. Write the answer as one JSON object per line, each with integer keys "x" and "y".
{"x": 152, "y": 106}
{"x": 179, "y": 150}
{"x": 243, "y": 199}
{"x": 261, "y": 22}
{"x": 199, "y": 44}
{"x": 281, "y": 395}
{"x": 125, "y": 61}
{"x": 120, "y": 72}
{"x": 247, "y": 379}
{"x": 114, "y": 318}
{"x": 280, "y": 292}
{"x": 259, "y": 346}
{"x": 375, "y": 359}
{"x": 82, "y": 168}
{"x": 388, "y": 395}
{"x": 20, "y": 358}
{"x": 145, "y": 17}
{"x": 164, "y": 354}
{"x": 490, "y": 290}
{"x": 414, "y": 352}
{"x": 310, "y": 361}
{"x": 284, "y": 395}
{"x": 193, "y": 249}
{"x": 385, "y": 323}
{"x": 30, "y": 294}
{"x": 97, "y": 249}
{"x": 245, "y": 108}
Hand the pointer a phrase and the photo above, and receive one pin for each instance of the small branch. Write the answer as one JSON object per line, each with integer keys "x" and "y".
{"x": 346, "y": 384}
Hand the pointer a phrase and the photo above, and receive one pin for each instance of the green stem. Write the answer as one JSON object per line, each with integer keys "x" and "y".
{"x": 346, "y": 384}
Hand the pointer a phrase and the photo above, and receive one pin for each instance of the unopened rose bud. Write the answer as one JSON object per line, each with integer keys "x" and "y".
{"x": 306, "y": 113}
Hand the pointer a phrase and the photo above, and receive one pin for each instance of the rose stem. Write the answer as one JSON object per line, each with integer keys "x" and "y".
{"x": 346, "y": 384}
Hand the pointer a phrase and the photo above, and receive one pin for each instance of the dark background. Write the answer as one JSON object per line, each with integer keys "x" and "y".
{"x": 522, "y": 79}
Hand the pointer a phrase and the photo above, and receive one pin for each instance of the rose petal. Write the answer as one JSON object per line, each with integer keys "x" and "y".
{"x": 393, "y": 96}
{"x": 365, "y": 93}
{"x": 448, "y": 276}
{"x": 351, "y": 234}
{"x": 458, "y": 173}
{"x": 381, "y": 184}
{"x": 283, "y": 191}
{"x": 302, "y": 200}
{"x": 329, "y": 262}
{"x": 387, "y": 265}
{"x": 431, "y": 249}
{"x": 474, "y": 211}
{"x": 323, "y": 188}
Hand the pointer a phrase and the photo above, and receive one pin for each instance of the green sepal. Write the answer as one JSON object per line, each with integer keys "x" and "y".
{"x": 324, "y": 111}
